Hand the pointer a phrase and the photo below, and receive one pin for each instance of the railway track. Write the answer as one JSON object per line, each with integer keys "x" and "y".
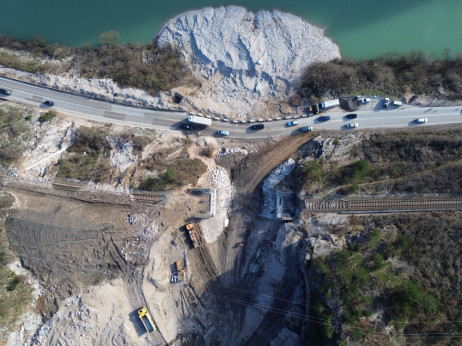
{"x": 66, "y": 187}
{"x": 148, "y": 198}
{"x": 384, "y": 204}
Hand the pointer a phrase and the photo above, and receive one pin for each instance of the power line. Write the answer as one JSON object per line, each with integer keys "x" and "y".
{"x": 323, "y": 321}
{"x": 323, "y": 308}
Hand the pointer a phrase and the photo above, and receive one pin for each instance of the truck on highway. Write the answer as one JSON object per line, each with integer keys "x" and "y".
{"x": 195, "y": 119}
{"x": 193, "y": 234}
{"x": 329, "y": 104}
{"x": 146, "y": 319}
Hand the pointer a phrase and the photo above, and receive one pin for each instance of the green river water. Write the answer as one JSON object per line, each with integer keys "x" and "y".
{"x": 361, "y": 28}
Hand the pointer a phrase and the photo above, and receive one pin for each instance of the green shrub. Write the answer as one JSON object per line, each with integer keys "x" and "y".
{"x": 312, "y": 171}
{"x": 360, "y": 168}
{"x": 403, "y": 242}
{"x": 377, "y": 259}
{"x": 408, "y": 298}
{"x": 354, "y": 188}
{"x": 48, "y": 116}
{"x": 13, "y": 283}
{"x": 374, "y": 237}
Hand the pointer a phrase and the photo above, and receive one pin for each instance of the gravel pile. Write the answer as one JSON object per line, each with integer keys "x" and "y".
{"x": 269, "y": 193}
{"x": 249, "y": 56}
{"x": 212, "y": 228}
{"x": 227, "y": 151}
{"x": 121, "y": 156}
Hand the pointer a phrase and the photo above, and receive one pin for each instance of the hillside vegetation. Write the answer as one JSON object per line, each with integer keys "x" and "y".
{"x": 422, "y": 161}
{"x": 389, "y": 74}
{"x": 398, "y": 277}
{"x": 146, "y": 67}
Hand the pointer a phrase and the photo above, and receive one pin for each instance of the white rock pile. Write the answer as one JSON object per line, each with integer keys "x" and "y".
{"x": 254, "y": 55}
{"x": 212, "y": 228}
{"x": 269, "y": 192}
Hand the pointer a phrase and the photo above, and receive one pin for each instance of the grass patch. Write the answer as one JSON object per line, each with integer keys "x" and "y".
{"x": 172, "y": 173}
{"x": 87, "y": 157}
{"x": 19, "y": 63}
{"x": 14, "y": 132}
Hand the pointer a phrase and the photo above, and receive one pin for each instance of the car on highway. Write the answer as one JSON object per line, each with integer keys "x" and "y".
{"x": 5, "y": 92}
{"x": 421, "y": 120}
{"x": 386, "y": 102}
{"x": 306, "y": 128}
{"x": 352, "y": 116}
{"x": 257, "y": 127}
{"x": 222, "y": 133}
{"x": 324, "y": 118}
{"x": 292, "y": 123}
{"x": 352, "y": 125}
{"x": 48, "y": 103}
{"x": 366, "y": 100}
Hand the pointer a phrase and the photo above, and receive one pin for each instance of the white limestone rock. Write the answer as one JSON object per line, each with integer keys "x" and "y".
{"x": 263, "y": 53}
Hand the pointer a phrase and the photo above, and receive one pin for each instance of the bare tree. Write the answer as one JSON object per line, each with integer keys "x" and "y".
{"x": 109, "y": 38}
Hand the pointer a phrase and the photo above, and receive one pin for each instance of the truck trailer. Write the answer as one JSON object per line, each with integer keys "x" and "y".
{"x": 195, "y": 119}
{"x": 146, "y": 319}
{"x": 193, "y": 234}
{"x": 330, "y": 103}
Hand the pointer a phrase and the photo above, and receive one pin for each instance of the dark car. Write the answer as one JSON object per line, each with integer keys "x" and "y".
{"x": 5, "y": 92}
{"x": 324, "y": 118}
{"x": 352, "y": 116}
{"x": 48, "y": 103}
{"x": 257, "y": 126}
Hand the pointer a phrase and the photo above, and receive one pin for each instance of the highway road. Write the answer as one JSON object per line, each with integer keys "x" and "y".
{"x": 402, "y": 117}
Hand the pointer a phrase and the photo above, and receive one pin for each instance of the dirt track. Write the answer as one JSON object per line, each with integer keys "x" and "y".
{"x": 246, "y": 179}
{"x": 234, "y": 263}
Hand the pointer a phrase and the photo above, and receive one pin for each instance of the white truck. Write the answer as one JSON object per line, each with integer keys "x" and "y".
{"x": 330, "y": 103}
{"x": 195, "y": 119}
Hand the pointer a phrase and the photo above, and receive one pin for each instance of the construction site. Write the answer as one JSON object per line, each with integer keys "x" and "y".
{"x": 220, "y": 261}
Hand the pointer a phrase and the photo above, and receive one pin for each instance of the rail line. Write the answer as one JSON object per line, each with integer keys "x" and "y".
{"x": 384, "y": 204}
{"x": 148, "y": 198}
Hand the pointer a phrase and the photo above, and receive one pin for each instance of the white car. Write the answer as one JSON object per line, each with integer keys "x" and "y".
{"x": 421, "y": 120}
{"x": 352, "y": 125}
{"x": 386, "y": 102}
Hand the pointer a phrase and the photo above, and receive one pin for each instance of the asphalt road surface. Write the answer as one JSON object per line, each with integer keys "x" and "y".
{"x": 402, "y": 117}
